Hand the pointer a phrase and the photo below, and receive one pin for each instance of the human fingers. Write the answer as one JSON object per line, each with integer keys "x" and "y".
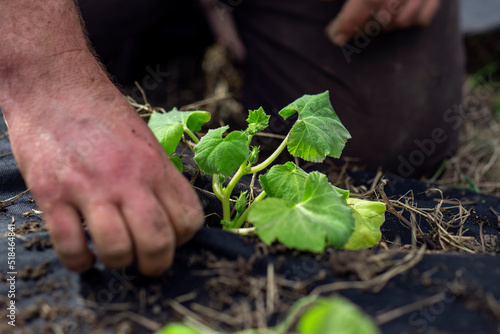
{"x": 152, "y": 232}
{"x": 183, "y": 207}
{"x": 427, "y": 12}
{"x": 414, "y": 12}
{"x": 407, "y": 14}
{"x": 110, "y": 235}
{"x": 67, "y": 235}
{"x": 354, "y": 14}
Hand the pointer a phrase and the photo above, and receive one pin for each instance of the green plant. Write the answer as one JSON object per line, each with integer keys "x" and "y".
{"x": 316, "y": 315}
{"x": 303, "y": 211}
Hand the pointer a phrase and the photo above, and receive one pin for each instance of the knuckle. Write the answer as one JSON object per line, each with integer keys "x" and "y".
{"x": 158, "y": 249}
{"x": 186, "y": 231}
{"x": 67, "y": 252}
{"x": 74, "y": 259}
{"x": 116, "y": 255}
{"x": 153, "y": 261}
{"x": 190, "y": 223}
{"x": 156, "y": 268}
{"x": 45, "y": 188}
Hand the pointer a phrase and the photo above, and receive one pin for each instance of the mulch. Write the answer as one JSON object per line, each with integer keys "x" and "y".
{"x": 435, "y": 271}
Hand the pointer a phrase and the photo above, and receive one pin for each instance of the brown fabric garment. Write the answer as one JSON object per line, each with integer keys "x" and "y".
{"x": 396, "y": 93}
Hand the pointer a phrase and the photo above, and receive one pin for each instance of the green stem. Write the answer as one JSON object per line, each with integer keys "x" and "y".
{"x": 242, "y": 231}
{"x": 216, "y": 187}
{"x": 192, "y": 135}
{"x": 243, "y": 170}
{"x": 249, "y": 139}
{"x": 244, "y": 215}
{"x": 226, "y": 194}
{"x": 270, "y": 159}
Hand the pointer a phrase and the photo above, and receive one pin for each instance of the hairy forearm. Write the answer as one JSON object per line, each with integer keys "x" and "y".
{"x": 43, "y": 52}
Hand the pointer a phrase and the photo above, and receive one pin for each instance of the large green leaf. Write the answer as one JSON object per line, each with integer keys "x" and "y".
{"x": 336, "y": 315}
{"x": 368, "y": 216}
{"x": 217, "y": 155}
{"x": 257, "y": 121}
{"x": 168, "y": 127}
{"x": 320, "y": 219}
{"x": 318, "y": 132}
{"x": 284, "y": 181}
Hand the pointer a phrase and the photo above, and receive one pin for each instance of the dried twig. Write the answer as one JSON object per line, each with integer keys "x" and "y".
{"x": 377, "y": 283}
{"x": 8, "y": 201}
{"x": 400, "y": 311}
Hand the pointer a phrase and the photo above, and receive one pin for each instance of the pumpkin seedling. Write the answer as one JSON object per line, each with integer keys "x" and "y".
{"x": 301, "y": 210}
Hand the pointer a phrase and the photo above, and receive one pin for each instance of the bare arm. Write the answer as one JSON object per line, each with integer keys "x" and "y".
{"x": 82, "y": 149}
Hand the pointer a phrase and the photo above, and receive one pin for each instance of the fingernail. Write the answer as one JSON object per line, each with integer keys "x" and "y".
{"x": 336, "y": 37}
{"x": 339, "y": 39}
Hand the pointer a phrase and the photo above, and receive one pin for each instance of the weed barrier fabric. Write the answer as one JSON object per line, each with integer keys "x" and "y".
{"x": 227, "y": 281}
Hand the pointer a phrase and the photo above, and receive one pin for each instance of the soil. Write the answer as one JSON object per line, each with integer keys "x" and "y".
{"x": 229, "y": 282}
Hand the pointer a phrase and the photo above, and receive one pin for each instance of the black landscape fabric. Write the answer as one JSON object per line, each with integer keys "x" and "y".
{"x": 224, "y": 280}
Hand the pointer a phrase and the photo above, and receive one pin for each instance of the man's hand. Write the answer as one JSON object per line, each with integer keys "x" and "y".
{"x": 83, "y": 150}
{"x": 393, "y": 14}
{"x": 96, "y": 159}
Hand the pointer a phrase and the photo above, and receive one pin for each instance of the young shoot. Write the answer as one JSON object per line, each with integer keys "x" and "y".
{"x": 301, "y": 210}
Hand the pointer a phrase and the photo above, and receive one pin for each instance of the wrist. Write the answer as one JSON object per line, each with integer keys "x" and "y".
{"x": 44, "y": 58}
{"x": 60, "y": 79}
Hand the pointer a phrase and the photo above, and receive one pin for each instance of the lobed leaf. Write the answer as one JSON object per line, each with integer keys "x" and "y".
{"x": 168, "y": 134}
{"x": 284, "y": 181}
{"x": 168, "y": 127}
{"x": 217, "y": 155}
{"x": 336, "y": 315}
{"x": 287, "y": 182}
{"x": 368, "y": 217}
{"x": 320, "y": 219}
{"x": 318, "y": 132}
{"x": 257, "y": 120}
{"x": 344, "y": 193}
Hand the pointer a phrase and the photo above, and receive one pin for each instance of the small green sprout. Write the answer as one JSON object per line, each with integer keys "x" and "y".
{"x": 301, "y": 210}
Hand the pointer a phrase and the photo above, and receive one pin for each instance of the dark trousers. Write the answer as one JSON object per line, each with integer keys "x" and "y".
{"x": 398, "y": 93}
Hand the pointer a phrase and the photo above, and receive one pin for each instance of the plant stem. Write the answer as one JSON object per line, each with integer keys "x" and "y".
{"x": 191, "y": 135}
{"x": 216, "y": 187}
{"x": 270, "y": 159}
{"x": 249, "y": 140}
{"x": 226, "y": 194}
{"x": 244, "y": 215}
{"x": 243, "y": 170}
{"x": 242, "y": 231}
